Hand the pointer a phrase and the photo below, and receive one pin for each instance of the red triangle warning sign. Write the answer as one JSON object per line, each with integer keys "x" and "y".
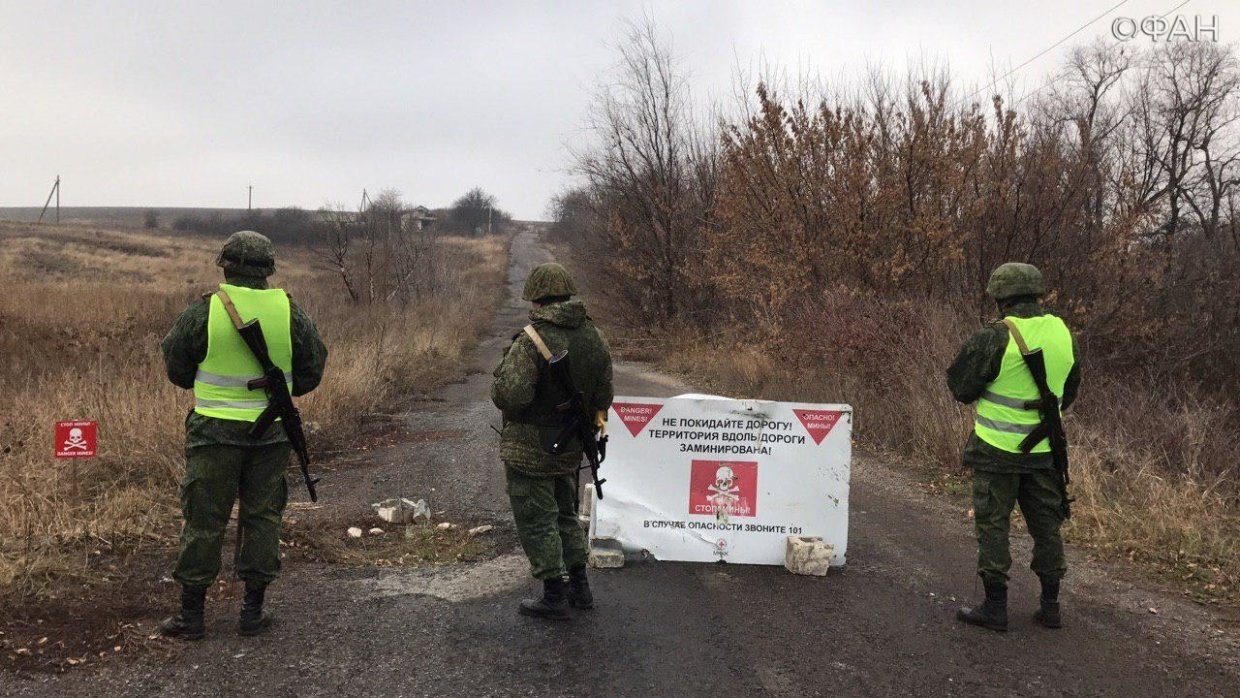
{"x": 636, "y": 415}
{"x": 818, "y": 422}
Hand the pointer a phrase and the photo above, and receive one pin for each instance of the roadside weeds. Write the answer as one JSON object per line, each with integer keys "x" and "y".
{"x": 89, "y": 566}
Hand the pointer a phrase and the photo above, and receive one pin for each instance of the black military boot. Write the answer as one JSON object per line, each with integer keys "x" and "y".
{"x": 992, "y": 613}
{"x": 253, "y": 620}
{"x": 579, "y": 595}
{"x": 1047, "y": 614}
{"x": 553, "y": 605}
{"x": 188, "y": 623}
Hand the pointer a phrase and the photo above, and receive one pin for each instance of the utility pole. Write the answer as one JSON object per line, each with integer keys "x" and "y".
{"x": 54, "y": 192}
{"x": 249, "y": 202}
{"x": 488, "y": 219}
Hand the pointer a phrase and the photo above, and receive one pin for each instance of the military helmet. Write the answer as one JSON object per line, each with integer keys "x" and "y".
{"x": 247, "y": 253}
{"x": 1015, "y": 279}
{"x": 549, "y": 280}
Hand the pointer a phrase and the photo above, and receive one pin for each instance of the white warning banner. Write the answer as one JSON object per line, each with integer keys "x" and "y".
{"x": 702, "y": 478}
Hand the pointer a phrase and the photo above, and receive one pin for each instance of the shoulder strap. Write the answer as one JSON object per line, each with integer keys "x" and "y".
{"x": 1016, "y": 335}
{"x": 538, "y": 342}
{"x": 232, "y": 309}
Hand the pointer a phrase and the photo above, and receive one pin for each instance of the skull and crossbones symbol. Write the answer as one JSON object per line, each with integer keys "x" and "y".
{"x": 725, "y": 493}
{"x": 76, "y": 441}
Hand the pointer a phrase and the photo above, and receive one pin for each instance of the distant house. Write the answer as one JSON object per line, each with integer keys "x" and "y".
{"x": 417, "y": 218}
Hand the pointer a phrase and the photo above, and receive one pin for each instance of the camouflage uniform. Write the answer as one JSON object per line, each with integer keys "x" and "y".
{"x": 222, "y": 461}
{"x": 543, "y": 487}
{"x": 1001, "y": 480}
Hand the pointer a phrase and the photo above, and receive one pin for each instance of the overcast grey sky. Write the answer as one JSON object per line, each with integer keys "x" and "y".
{"x": 184, "y": 103}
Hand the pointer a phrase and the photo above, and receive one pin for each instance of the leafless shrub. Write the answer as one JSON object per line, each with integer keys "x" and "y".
{"x": 379, "y": 255}
{"x": 651, "y": 173}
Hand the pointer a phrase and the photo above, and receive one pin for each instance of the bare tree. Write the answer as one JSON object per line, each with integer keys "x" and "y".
{"x": 380, "y": 257}
{"x": 335, "y": 245}
{"x": 652, "y": 166}
{"x": 1185, "y": 144}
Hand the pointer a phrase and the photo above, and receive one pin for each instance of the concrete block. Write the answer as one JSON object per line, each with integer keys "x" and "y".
{"x": 808, "y": 555}
{"x": 401, "y": 510}
{"x": 605, "y": 554}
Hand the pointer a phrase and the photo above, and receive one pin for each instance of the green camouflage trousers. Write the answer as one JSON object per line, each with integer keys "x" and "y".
{"x": 545, "y": 510}
{"x": 994, "y": 496}
{"x": 214, "y": 478}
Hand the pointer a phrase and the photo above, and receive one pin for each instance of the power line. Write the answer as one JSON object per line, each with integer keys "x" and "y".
{"x": 1176, "y": 8}
{"x": 1052, "y": 47}
{"x": 1044, "y": 85}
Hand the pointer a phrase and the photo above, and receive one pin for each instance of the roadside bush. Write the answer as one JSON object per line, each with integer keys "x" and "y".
{"x": 285, "y": 225}
{"x": 476, "y": 213}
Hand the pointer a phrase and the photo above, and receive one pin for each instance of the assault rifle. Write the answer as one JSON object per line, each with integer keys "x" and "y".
{"x": 580, "y": 423}
{"x": 1051, "y": 427}
{"x": 279, "y": 400}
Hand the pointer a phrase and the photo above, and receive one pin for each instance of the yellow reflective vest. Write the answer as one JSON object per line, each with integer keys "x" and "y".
{"x": 1003, "y": 419}
{"x": 220, "y": 386}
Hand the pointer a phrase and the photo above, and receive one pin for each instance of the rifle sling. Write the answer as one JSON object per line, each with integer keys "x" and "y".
{"x": 539, "y": 344}
{"x": 230, "y": 308}
{"x": 1016, "y": 335}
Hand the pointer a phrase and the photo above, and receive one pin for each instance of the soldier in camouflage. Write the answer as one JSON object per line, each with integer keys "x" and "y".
{"x": 990, "y": 364}
{"x": 543, "y": 487}
{"x": 222, "y": 461}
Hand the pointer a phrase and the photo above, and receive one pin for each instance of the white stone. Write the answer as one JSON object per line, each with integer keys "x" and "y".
{"x": 355, "y": 532}
{"x": 420, "y": 509}
{"x": 808, "y": 555}
{"x": 376, "y": 531}
{"x": 479, "y": 530}
{"x": 445, "y": 526}
{"x": 401, "y": 510}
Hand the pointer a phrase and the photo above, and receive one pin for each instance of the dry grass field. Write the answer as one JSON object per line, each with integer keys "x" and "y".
{"x": 111, "y": 217}
{"x": 82, "y": 311}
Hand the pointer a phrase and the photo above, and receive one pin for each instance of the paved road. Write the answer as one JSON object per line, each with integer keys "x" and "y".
{"x": 881, "y": 627}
